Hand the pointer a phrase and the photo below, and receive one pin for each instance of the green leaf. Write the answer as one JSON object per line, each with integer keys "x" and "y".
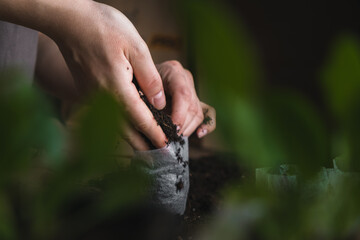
{"x": 25, "y": 124}
{"x": 223, "y": 51}
{"x": 299, "y": 130}
{"x": 341, "y": 80}
{"x": 7, "y": 227}
{"x": 99, "y": 128}
{"x": 341, "y": 75}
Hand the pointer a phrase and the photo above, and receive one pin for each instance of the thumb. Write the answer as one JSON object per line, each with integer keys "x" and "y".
{"x": 147, "y": 76}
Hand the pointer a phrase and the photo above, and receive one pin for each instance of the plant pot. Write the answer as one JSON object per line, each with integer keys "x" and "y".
{"x": 169, "y": 169}
{"x": 327, "y": 179}
{"x": 284, "y": 178}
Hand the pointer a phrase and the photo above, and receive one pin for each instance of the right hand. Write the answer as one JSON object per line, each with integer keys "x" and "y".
{"x": 103, "y": 50}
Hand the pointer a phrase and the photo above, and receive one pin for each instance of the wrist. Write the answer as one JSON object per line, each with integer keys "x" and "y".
{"x": 59, "y": 18}
{"x": 52, "y": 17}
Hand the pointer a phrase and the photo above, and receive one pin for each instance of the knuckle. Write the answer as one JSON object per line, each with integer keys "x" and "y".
{"x": 153, "y": 84}
{"x": 185, "y": 92}
{"x": 140, "y": 48}
{"x": 179, "y": 119}
{"x": 142, "y": 127}
{"x": 174, "y": 64}
{"x": 189, "y": 75}
{"x": 200, "y": 117}
{"x": 194, "y": 109}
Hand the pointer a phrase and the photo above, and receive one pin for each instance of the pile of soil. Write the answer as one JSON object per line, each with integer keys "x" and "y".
{"x": 209, "y": 176}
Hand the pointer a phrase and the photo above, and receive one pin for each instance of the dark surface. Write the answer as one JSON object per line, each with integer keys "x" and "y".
{"x": 208, "y": 177}
{"x": 293, "y": 38}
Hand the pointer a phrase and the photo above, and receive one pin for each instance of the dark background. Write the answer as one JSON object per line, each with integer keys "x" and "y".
{"x": 294, "y": 37}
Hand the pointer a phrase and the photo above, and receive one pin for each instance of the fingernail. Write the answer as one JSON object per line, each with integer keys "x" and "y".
{"x": 159, "y": 100}
{"x": 177, "y": 128}
{"x": 202, "y": 133}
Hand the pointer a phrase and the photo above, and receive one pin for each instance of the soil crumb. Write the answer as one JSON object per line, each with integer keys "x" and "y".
{"x": 179, "y": 185}
{"x": 207, "y": 120}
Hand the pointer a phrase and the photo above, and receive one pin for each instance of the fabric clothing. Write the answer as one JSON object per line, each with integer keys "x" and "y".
{"x": 18, "y": 48}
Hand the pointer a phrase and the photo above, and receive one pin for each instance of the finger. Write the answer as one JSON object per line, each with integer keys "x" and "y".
{"x": 181, "y": 100}
{"x": 134, "y": 138}
{"x": 176, "y": 85}
{"x": 195, "y": 103}
{"x": 147, "y": 75}
{"x": 189, "y": 119}
{"x": 198, "y": 118}
{"x": 190, "y": 115}
{"x": 138, "y": 113}
{"x": 190, "y": 78}
{"x": 209, "y": 123}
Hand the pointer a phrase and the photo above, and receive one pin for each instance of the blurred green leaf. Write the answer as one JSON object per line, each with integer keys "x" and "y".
{"x": 300, "y": 132}
{"x": 7, "y": 228}
{"x": 226, "y": 59}
{"x": 224, "y": 54}
{"x": 122, "y": 189}
{"x": 341, "y": 81}
{"x": 96, "y": 135}
{"x": 341, "y": 75}
{"x": 25, "y": 124}
{"x": 265, "y": 129}
{"x": 94, "y": 139}
{"x": 250, "y": 137}
{"x": 222, "y": 48}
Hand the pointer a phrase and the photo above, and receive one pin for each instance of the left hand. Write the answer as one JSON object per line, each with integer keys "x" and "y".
{"x": 186, "y": 109}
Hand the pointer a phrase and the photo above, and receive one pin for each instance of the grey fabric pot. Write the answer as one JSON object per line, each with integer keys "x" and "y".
{"x": 327, "y": 179}
{"x": 169, "y": 169}
{"x": 277, "y": 182}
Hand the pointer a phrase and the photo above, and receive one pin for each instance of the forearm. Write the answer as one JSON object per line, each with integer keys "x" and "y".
{"x": 48, "y": 16}
{"x": 52, "y": 73}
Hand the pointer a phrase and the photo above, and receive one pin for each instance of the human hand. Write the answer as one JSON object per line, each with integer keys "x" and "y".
{"x": 103, "y": 50}
{"x": 186, "y": 110}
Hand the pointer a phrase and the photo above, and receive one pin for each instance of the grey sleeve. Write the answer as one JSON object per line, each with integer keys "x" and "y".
{"x": 18, "y": 47}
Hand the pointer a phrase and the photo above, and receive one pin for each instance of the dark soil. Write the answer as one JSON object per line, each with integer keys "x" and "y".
{"x": 179, "y": 185}
{"x": 163, "y": 119}
{"x": 207, "y": 119}
{"x": 209, "y": 176}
